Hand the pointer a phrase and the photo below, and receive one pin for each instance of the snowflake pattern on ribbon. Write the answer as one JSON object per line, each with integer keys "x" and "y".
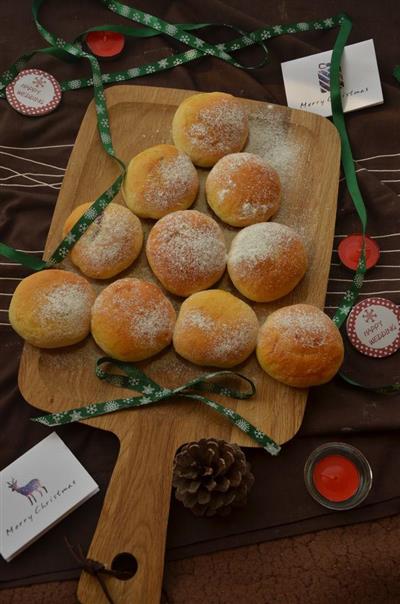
{"x": 198, "y": 48}
{"x": 152, "y": 392}
{"x": 358, "y": 280}
{"x": 111, "y": 406}
{"x": 243, "y": 425}
{"x": 90, "y": 214}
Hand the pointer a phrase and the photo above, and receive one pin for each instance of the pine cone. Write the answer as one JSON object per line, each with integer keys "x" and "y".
{"x": 211, "y": 477}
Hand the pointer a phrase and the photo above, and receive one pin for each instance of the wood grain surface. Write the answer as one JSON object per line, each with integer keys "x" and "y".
{"x": 305, "y": 149}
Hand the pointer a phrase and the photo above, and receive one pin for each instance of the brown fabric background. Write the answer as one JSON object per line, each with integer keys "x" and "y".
{"x": 354, "y": 564}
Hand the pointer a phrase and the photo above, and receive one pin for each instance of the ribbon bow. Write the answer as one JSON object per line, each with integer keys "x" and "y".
{"x": 151, "y": 392}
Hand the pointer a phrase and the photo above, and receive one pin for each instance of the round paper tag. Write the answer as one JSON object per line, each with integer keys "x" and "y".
{"x": 373, "y": 327}
{"x": 34, "y": 92}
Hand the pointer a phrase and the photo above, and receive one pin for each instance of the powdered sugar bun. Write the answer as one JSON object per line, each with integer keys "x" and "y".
{"x": 208, "y": 126}
{"x": 160, "y": 180}
{"x": 300, "y": 346}
{"x": 132, "y": 320}
{"x": 266, "y": 261}
{"x": 243, "y": 189}
{"x": 215, "y": 328}
{"x": 51, "y": 309}
{"x": 186, "y": 251}
{"x": 111, "y": 243}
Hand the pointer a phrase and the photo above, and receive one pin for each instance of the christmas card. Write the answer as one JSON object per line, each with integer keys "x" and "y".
{"x": 307, "y": 80}
{"x": 37, "y": 490}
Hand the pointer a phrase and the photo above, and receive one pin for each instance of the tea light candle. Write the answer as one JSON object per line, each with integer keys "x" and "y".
{"x": 105, "y": 44}
{"x": 349, "y": 251}
{"x": 338, "y": 476}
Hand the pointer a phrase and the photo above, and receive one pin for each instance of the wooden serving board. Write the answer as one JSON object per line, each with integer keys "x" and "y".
{"x": 305, "y": 150}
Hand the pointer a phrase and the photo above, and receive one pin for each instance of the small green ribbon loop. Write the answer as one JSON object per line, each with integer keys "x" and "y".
{"x": 151, "y": 392}
{"x": 388, "y": 389}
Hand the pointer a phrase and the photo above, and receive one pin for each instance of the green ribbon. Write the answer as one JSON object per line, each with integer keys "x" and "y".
{"x": 151, "y": 392}
{"x": 98, "y": 206}
{"x": 148, "y": 32}
{"x": 388, "y": 389}
{"x": 198, "y": 48}
{"x": 182, "y": 33}
{"x": 352, "y": 293}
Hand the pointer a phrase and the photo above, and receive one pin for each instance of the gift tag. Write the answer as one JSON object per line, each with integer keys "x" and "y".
{"x": 34, "y": 92}
{"x": 373, "y": 327}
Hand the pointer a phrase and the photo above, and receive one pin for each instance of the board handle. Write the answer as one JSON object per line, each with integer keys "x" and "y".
{"x": 134, "y": 517}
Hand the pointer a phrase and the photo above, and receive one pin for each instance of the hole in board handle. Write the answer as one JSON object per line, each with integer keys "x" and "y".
{"x": 125, "y": 563}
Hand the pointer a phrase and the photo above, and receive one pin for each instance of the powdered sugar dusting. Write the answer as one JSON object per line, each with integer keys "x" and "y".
{"x": 223, "y": 338}
{"x": 189, "y": 245}
{"x": 148, "y": 323}
{"x": 251, "y": 210}
{"x": 172, "y": 179}
{"x": 196, "y": 318}
{"x": 307, "y": 325}
{"x": 67, "y": 305}
{"x": 219, "y": 127}
{"x": 234, "y": 161}
{"x": 109, "y": 239}
{"x": 269, "y": 139}
{"x": 144, "y": 319}
{"x": 222, "y": 193}
{"x": 243, "y": 186}
{"x": 260, "y": 242}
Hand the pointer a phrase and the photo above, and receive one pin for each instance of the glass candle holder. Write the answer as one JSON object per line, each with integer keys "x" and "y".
{"x": 338, "y": 476}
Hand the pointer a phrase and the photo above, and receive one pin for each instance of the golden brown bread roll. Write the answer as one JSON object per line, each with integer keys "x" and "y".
{"x": 111, "y": 243}
{"x": 215, "y": 328}
{"x": 266, "y": 261}
{"x": 132, "y": 320}
{"x": 208, "y": 126}
{"x": 160, "y": 180}
{"x": 300, "y": 346}
{"x": 186, "y": 251}
{"x": 51, "y": 309}
{"x": 243, "y": 189}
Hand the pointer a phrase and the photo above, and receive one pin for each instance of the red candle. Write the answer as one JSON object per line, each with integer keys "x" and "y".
{"x": 350, "y": 250}
{"x": 105, "y": 44}
{"x": 336, "y": 477}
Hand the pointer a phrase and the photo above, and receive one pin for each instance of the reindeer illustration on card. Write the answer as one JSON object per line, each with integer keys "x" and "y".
{"x": 28, "y": 489}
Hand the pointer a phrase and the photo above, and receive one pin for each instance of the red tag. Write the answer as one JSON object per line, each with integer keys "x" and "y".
{"x": 34, "y": 92}
{"x": 373, "y": 327}
{"x": 349, "y": 251}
